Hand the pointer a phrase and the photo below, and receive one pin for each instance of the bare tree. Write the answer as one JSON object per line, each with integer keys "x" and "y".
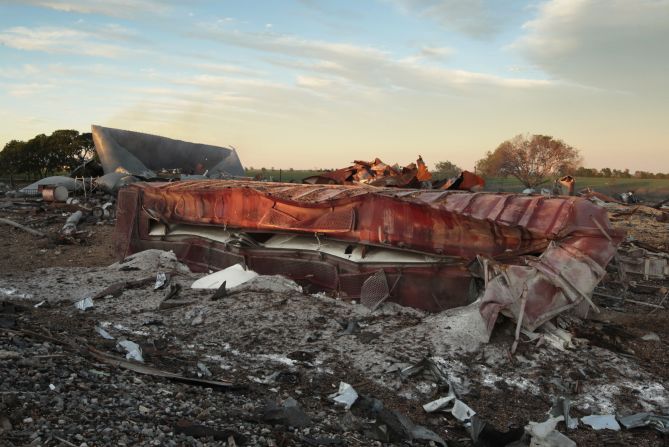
{"x": 532, "y": 159}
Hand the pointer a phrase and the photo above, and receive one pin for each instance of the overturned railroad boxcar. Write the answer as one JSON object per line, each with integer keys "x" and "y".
{"x": 530, "y": 257}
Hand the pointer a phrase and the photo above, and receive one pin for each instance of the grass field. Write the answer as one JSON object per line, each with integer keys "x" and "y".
{"x": 646, "y": 188}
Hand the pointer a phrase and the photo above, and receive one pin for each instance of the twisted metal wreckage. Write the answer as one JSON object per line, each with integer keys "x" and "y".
{"x": 529, "y": 257}
{"x": 127, "y": 157}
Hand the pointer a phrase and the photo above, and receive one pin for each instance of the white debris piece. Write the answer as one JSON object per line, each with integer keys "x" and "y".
{"x": 601, "y": 422}
{"x": 84, "y": 304}
{"x": 544, "y": 434}
{"x": 651, "y": 336}
{"x": 556, "y": 337}
{"x": 104, "y": 334}
{"x": 232, "y": 276}
{"x": 11, "y": 291}
{"x": 134, "y": 351}
{"x": 346, "y": 395}
{"x": 438, "y": 404}
{"x": 541, "y": 429}
{"x": 161, "y": 279}
{"x": 71, "y": 223}
{"x": 203, "y": 370}
{"x": 461, "y": 411}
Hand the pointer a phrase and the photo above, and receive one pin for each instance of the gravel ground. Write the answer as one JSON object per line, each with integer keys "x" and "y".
{"x": 283, "y": 353}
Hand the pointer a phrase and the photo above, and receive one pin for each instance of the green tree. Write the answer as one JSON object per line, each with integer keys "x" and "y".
{"x": 586, "y": 172}
{"x": 60, "y": 151}
{"x": 532, "y": 159}
{"x": 11, "y": 159}
{"x": 446, "y": 169}
{"x": 35, "y": 159}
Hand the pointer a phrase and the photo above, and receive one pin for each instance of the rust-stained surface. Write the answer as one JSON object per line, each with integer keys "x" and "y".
{"x": 466, "y": 181}
{"x": 376, "y": 173}
{"x": 414, "y": 176}
{"x": 548, "y": 252}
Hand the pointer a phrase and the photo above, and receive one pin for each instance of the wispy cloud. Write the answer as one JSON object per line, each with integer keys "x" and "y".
{"x": 114, "y": 8}
{"x": 362, "y": 65}
{"x": 437, "y": 52}
{"x": 471, "y": 17}
{"x": 214, "y": 67}
{"x": 60, "y": 40}
{"x": 28, "y": 89}
{"x": 313, "y": 82}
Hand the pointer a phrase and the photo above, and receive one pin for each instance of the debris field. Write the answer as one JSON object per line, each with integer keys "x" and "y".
{"x": 173, "y": 301}
{"x": 263, "y": 363}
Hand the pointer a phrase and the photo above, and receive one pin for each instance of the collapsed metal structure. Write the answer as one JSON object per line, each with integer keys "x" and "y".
{"x": 377, "y": 173}
{"x": 128, "y": 156}
{"x": 530, "y": 257}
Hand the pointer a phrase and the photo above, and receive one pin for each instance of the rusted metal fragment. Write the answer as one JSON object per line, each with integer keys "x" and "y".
{"x": 466, "y": 181}
{"x": 639, "y": 261}
{"x": 414, "y": 175}
{"x": 594, "y": 196}
{"x": 376, "y": 173}
{"x": 548, "y": 251}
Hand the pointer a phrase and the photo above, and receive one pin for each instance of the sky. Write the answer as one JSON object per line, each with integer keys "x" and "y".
{"x": 320, "y": 83}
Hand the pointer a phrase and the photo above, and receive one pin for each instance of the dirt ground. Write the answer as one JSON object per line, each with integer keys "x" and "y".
{"x": 273, "y": 343}
{"x": 23, "y": 252}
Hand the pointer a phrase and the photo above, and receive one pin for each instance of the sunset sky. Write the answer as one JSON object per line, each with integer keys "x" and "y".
{"x": 316, "y": 83}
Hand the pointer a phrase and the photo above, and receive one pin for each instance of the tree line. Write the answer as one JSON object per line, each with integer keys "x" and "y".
{"x": 618, "y": 173}
{"x": 64, "y": 151}
{"x": 532, "y": 159}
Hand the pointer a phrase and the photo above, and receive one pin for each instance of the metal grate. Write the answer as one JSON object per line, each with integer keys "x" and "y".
{"x": 339, "y": 220}
{"x": 374, "y": 290}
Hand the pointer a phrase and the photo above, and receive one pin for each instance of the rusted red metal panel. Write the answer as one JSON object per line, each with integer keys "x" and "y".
{"x": 510, "y": 230}
{"x": 448, "y": 223}
{"x": 126, "y": 221}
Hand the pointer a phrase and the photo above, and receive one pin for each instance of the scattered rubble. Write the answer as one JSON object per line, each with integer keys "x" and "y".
{"x": 278, "y": 361}
{"x": 378, "y": 173}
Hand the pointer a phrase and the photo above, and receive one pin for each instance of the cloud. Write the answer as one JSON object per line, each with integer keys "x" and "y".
{"x": 436, "y": 52}
{"x": 470, "y": 17}
{"x": 313, "y": 82}
{"x": 59, "y": 40}
{"x": 215, "y": 67}
{"x": 114, "y": 8}
{"x": 27, "y": 89}
{"x": 362, "y": 66}
{"x": 433, "y": 54}
{"x": 613, "y": 44}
